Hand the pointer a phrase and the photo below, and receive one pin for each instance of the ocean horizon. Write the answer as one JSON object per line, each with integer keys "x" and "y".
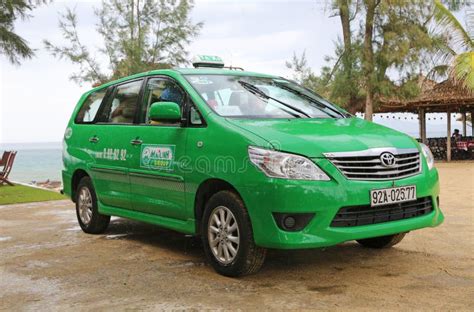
{"x": 35, "y": 162}
{"x": 38, "y": 162}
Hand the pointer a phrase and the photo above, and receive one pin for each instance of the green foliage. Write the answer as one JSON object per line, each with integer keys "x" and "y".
{"x": 463, "y": 69}
{"x": 458, "y": 37}
{"x": 13, "y": 46}
{"x": 401, "y": 47}
{"x": 345, "y": 80}
{"x": 456, "y": 5}
{"x": 455, "y": 47}
{"x": 138, "y": 35}
{"x": 401, "y": 43}
{"x": 305, "y": 76}
{"x": 302, "y": 73}
{"x": 25, "y": 194}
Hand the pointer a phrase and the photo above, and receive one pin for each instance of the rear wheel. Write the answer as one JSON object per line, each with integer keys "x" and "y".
{"x": 382, "y": 241}
{"x": 88, "y": 216}
{"x": 228, "y": 237}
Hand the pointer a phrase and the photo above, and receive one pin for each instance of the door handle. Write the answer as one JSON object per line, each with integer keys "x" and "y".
{"x": 136, "y": 142}
{"x": 94, "y": 139}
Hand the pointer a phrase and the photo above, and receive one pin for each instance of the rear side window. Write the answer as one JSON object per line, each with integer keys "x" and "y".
{"x": 90, "y": 107}
{"x": 123, "y": 106}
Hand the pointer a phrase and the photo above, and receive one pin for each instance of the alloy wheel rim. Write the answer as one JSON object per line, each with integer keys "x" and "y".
{"x": 85, "y": 205}
{"x": 223, "y": 235}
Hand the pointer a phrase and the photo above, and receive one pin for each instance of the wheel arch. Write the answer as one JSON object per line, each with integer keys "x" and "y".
{"x": 204, "y": 192}
{"x": 76, "y": 178}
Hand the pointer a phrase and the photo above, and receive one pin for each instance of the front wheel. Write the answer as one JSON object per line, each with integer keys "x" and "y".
{"x": 228, "y": 237}
{"x": 382, "y": 241}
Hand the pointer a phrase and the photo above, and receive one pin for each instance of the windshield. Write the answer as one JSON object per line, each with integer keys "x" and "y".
{"x": 245, "y": 96}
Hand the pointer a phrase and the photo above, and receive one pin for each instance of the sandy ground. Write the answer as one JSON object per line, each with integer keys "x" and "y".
{"x": 48, "y": 263}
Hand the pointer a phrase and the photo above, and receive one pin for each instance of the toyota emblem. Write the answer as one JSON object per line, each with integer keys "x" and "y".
{"x": 387, "y": 159}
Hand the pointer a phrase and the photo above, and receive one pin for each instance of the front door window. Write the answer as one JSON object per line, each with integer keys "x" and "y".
{"x": 161, "y": 90}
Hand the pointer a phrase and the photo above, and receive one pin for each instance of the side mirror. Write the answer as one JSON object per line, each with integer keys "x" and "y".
{"x": 165, "y": 111}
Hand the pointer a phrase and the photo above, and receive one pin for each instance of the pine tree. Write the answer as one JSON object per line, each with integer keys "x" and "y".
{"x": 384, "y": 48}
{"x": 138, "y": 35}
{"x": 13, "y": 46}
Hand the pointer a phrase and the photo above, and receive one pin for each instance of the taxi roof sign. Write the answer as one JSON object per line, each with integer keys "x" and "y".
{"x": 208, "y": 61}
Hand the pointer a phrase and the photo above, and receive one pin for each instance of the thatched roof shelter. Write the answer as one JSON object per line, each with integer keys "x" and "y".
{"x": 434, "y": 98}
{"x": 444, "y": 97}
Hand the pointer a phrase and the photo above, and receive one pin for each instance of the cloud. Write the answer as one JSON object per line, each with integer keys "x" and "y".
{"x": 36, "y": 99}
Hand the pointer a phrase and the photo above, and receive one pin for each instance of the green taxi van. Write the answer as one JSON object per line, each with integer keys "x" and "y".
{"x": 247, "y": 161}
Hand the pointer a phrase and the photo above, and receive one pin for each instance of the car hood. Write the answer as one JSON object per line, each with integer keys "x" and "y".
{"x": 313, "y": 137}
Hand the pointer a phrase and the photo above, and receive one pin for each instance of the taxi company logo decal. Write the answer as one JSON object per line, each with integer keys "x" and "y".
{"x": 157, "y": 156}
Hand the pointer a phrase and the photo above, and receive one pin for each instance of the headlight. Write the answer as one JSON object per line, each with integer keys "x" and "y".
{"x": 283, "y": 165}
{"x": 428, "y": 155}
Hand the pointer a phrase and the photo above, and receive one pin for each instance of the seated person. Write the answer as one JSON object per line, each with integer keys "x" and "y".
{"x": 254, "y": 106}
{"x": 212, "y": 103}
{"x": 170, "y": 94}
{"x": 125, "y": 111}
{"x": 456, "y": 135}
{"x": 248, "y": 104}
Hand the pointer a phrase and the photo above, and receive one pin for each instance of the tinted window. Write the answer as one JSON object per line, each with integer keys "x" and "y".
{"x": 123, "y": 106}
{"x": 90, "y": 107}
{"x": 161, "y": 90}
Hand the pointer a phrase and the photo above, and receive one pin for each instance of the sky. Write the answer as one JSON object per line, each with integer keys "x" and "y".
{"x": 37, "y": 98}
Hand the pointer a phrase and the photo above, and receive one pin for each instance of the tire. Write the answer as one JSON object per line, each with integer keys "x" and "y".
{"x": 243, "y": 257}
{"x": 88, "y": 216}
{"x": 382, "y": 241}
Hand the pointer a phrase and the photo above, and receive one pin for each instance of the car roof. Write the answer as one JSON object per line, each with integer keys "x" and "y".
{"x": 220, "y": 71}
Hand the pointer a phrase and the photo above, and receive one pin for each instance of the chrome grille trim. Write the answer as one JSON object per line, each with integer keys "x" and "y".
{"x": 366, "y": 164}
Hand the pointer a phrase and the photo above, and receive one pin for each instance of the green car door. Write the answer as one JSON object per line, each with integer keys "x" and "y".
{"x": 111, "y": 144}
{"x": 156, "y": 180}
{"x": 85, "y": 139}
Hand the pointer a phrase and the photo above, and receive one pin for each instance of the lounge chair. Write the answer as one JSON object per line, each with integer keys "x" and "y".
{"x": 4, "y": 159}
{"x": 7, "y": 167}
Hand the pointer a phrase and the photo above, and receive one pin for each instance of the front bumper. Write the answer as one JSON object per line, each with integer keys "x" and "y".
{"x": 324, "y": 199}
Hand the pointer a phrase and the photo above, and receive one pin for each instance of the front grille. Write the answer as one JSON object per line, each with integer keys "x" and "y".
{"x": 367, "y": 165}
{"x": 364, "y": 215}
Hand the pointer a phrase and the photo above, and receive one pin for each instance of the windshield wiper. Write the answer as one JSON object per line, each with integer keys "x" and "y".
{"x": 318, "y": 103}
{"x": 255, "y": 90}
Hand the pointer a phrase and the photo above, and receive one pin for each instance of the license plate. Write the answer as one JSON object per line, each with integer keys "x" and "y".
{"x": 392, "y": 195}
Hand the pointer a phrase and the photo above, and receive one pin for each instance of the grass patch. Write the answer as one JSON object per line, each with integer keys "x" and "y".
{"x": 25, "y": 194}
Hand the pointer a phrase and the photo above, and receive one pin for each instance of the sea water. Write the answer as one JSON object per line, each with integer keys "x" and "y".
{"x": 35, "y": 162}
{"x": 38, "y": 162}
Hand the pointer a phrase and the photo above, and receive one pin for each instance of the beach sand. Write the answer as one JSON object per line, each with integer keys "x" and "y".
{"x": 48, "y": 263}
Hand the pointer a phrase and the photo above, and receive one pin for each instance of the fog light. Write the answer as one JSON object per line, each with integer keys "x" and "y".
{"x": 292, "y": 222}
{"x": 289, "y": 222}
